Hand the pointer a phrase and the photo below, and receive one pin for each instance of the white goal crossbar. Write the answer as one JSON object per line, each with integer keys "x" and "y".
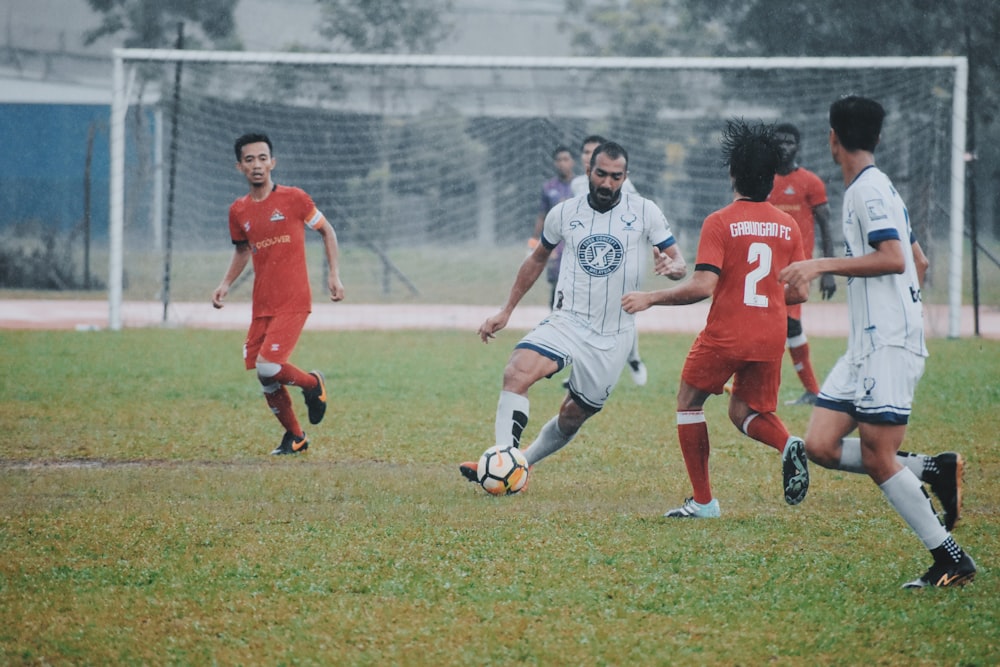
{"x": 123, "y": 81}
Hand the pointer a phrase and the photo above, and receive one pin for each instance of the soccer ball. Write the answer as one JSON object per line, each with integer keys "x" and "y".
{"x": 502, "y": 470}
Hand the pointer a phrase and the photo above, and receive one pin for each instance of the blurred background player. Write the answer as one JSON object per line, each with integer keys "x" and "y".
{"x": 588, "y": 330}
{"x": 268, "y": 225}
{"x": 556, "y": 189}
{"x": 636, "y": 367}
{"x": 871, "y": 387}
{"x": 801, "y": 194}
{"x": 744, "y": 336}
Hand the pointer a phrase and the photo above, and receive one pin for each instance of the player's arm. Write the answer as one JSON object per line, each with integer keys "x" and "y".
{"x": 241, "y": 256}
{"x": 920, "y": 261}
{"x": 886, "y": 259}
{"x": 537, "y": 234}
{"x": 698, "y": 288}
{"x": 821, "y": 219}
{"x": 527, "y": 275}
{"x": 332, "y": 251}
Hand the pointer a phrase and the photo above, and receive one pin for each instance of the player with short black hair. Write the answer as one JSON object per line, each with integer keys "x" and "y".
{"x": 268, "y": 226}
{"x": 871, "y": 387}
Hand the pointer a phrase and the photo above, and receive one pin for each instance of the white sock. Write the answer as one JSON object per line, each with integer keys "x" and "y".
{"x": 549, "y": 441}
{"x": 512, "y": 417}
{"x": 908, "y": 497}
{"x": 850, "y": 459}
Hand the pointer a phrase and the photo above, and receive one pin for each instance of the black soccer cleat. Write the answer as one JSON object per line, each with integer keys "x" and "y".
{"x": 948, "y": 574}
{"x": 291, "y": 444}
{"x": 795, "y": 471}
{"x": 469, "y": 470}
{"x": 316, "y": 398}
{"x": 946, "y": 484}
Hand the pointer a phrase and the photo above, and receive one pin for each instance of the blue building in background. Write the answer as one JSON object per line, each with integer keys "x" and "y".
{"x": 43, "y": 174}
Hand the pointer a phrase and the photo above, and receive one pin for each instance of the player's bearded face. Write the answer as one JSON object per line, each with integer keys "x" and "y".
{"x": 606, "y": 179}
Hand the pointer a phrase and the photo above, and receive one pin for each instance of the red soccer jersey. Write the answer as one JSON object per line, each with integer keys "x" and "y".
{"x": 275, "y": 230}
{"x": 748, "y": 243}
{"x": 797, "y": 194}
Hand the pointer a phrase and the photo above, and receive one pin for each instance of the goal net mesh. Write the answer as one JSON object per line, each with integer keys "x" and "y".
{"x": 432, "y": 173}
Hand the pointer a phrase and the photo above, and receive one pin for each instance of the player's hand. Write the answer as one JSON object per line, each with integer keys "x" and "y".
{"x": 336, "y": 289}
{"x": 827, "y": 285}
{"x": 492, "y": 325}
{"x": 218, "y": 296}
{"x": 665, "y": 265}
{"x": 635, "y": 302}
{"x": 797, "y": 273}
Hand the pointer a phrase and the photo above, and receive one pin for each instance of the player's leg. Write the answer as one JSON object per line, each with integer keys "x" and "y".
{"x": 560, "y": 430}
{"x": 692, "y": 434}
{"x": 752, "y": 406}
{"x": 880, "y": 443}
{"x": 526, "y": 366}
{"x": 798, "y": 350}
{"x": 282, "y": 336}
{"x": 636, "y": 367}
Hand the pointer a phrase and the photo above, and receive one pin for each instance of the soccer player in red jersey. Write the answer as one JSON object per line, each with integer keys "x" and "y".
{"x": 740, "y": 252}
{"x": 268, "y": 226}
{"x": 802, "y": 194}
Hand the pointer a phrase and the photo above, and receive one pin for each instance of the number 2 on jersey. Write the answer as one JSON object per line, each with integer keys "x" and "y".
{"x": 760, "y": 254}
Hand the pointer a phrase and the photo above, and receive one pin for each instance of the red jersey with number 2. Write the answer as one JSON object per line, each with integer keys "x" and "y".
{"x": 747, "y": 243}
{"x": 275, "y": 229}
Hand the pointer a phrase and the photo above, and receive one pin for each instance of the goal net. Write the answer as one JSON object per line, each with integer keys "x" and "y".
{"x": 431, "y": 167}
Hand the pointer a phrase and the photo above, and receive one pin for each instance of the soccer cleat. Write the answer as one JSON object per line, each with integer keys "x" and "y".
{"x": 469, "y": 470}
{"x": 807, "y": 398}
{"x": 948, "y": 574}
{"x": 947, "y": 486}
{"x": 638, "y": 371}
{"x": 316, "y": 398}
{"x": 692, "y": 510}
{"x": 795, "y": 471}
{"x": 291, "y": 444}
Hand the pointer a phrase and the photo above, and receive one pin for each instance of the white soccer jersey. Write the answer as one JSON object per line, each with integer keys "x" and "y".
{"x": 884, "y": 310}
{"x": 603, "y": 256}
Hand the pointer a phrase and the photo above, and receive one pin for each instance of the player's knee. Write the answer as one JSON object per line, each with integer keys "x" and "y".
{"x": 266, "y": 370}
{"x": 794, "y": 328}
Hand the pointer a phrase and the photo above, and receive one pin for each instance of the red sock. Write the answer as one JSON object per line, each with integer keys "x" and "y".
{"x": 692, "y": 432}
{"x": 800, "y": 357}
{"x": 293, "y": 375}
{"x": 767, "y": 428}
{"x": 280, "y": 403}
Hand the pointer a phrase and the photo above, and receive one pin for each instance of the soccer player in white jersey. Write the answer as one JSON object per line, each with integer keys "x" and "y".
{"x": 604, "y": 232}
{"x": 871, "y": 387}
{"x": 581, "y": 185}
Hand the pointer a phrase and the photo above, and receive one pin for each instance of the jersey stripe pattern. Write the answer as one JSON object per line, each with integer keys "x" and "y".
{"x": 602, "y": 258}
{"x": 885, "y": 310}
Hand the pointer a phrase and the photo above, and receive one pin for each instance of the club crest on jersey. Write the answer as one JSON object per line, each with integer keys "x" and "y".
{"x": 277, "y": 216}
{"x": 600, "y": 254}
{"x": 790, "y": 190}
{"x": 628, "y": 219}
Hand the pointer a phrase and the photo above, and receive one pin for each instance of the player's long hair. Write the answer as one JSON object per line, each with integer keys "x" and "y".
{"x": 752, "y": 155}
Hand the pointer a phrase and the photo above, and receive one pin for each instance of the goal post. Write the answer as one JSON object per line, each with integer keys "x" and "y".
{"x": 435, "y": 158}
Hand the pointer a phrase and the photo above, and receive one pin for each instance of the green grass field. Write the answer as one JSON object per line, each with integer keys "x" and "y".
{"x": 145, "y": 523}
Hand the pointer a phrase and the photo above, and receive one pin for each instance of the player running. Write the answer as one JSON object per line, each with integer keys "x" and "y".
{"x": 604, "y": 233}
{"x": 871, "y": 387}
{"x": 741, "y": 249}
{"x": 268, "y": 225}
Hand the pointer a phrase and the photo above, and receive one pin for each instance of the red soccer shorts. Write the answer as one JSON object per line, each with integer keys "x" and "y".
{"x": 754, "y": 382}
{"x": 273, "y": 338}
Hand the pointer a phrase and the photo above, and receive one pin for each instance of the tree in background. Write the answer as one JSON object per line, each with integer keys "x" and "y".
{"x": 651, "y": 28}
{"x": 384, "y": 26}
{"x": 152, "y": 24}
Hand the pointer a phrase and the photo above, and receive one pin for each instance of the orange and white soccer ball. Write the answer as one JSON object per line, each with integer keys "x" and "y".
{"x": 502, "y": 470}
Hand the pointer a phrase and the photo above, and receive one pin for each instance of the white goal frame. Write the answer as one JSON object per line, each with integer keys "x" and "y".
{"x": 123, "y": 82}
